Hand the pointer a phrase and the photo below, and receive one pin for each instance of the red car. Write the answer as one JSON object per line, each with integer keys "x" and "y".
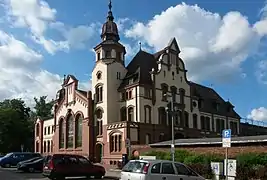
{"x": 59, "y": 166}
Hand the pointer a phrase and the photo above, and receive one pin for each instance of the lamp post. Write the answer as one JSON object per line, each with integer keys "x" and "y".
{"x": 171, "y": 111}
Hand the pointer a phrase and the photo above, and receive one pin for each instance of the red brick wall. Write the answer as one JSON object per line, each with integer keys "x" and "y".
{"x": 233, "y": 151}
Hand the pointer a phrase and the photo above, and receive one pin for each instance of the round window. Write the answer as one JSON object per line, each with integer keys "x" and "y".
{"x": 99, "y": 75}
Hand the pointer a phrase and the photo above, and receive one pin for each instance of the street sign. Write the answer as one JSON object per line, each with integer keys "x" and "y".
{"x": 231, "y": 167}
{"x": 226, "y": 138}
{"x": 128, "y": 143}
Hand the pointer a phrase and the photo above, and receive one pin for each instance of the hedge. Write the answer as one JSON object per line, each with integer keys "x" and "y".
{"x": 249, "y": 165}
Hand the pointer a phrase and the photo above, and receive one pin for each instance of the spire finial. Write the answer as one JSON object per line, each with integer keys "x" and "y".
{"x": 110, "y": 5}
{"x": 140, "y": 45}
{"x": 110, "y": 15}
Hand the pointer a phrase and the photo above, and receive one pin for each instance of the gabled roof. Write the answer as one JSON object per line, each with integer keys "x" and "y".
{"x": 68, "y": 78}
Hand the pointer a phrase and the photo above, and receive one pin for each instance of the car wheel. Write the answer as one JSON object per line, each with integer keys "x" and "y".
{"x": 98, "y": 177}
{"x": 31, "y": 170}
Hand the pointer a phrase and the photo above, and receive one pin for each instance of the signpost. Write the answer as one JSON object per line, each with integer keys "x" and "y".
{"x": 226, "y": 143}
{"x": 128, "y": 146}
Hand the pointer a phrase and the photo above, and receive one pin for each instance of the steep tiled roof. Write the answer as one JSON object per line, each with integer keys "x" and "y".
{"x": 139, "y": 69}
{"x": 209, "y": 97}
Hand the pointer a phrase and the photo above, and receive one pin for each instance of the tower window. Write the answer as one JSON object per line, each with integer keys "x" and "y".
{"x": 108, "y": 54}
{"x": 118, "y": 56}
{"x": 118, "y": 75}
{"x": 98, "y": 56}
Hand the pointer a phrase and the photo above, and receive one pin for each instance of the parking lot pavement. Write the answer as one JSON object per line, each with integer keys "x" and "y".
{"x": 13, "y": 174}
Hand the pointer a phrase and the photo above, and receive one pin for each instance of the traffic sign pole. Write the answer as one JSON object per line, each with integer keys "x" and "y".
{"x": 226, "y": 143}
{"x": 226, "y": 163}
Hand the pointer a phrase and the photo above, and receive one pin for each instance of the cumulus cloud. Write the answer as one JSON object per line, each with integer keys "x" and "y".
{"x": 20, "y": 72}
{"x": 39, "y": 17}
{"x": 211, "y": 45}
{"x": 259, "y": 114}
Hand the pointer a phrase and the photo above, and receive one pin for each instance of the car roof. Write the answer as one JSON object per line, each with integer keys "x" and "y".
{"x": 155, "y": 161}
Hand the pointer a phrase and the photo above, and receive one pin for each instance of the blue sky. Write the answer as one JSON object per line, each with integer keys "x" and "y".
{"x": 223, "y": 43}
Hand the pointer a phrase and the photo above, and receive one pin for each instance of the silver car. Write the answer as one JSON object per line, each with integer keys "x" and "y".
{"x": 158, "y": 170}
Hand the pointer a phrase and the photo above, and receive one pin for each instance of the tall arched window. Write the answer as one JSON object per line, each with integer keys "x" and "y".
{"x": 123, "y": 114}
{"x": 99, "y": 116}
{"x": 61, "y": 133}
{"x": 78, "y": 131}
{"x": 45, "y": 147}
{"x": 186, "y": 118}
{"x": 115, "y": 142}
{"x": 99, "y": 93}
{"x": 48, "y": 146}
{"x": 162, "y": 116}
{"x": 69, "y": 131}
{"x": 130, "y": 114}
{"x": 37, "y": 129}
{"x": 147, "y": 114}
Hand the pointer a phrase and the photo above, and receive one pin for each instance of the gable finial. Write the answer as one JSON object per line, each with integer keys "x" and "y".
{"x": 110, "y": 15}
{"x": 140, "y": 46}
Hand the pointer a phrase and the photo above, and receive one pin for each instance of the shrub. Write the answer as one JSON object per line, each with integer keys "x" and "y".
{"x": 248, "y": 159}
{"x": 202, "y": 169}
{"x": 181, "y": 155}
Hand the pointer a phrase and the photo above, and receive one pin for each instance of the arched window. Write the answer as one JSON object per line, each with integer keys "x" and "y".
{"x": 78, "y": 131}
{"x": 147, "y": 114}
{"x": 195, "y": 121}
{"x": 186, "y": 119}
{"x": 37, "y": 146}
{"x": 99, "y": 94}
{"x": 61, "y": 134}
{"x": 69, "y": 131}
{"x": 182, "y": 94}
{"x": 115, "y": 142}
{"x": 37, "y": 129}
{"x": 148, "y": 139}
{"x": 48, "y": 146}
{"x": 177, "y": 118}
{"x": 99, "y": 116}
{"x": 130, "y": 114}
{"x": 51, "y": 146}
{"x": 44, "y": 146}
{"x": 123, "y": 114}
{"x": 162, "y": 116}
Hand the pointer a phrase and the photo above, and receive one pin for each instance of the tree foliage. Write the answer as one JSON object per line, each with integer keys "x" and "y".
{"x": 43, "y": 109}
{"x": 15, "y": 129}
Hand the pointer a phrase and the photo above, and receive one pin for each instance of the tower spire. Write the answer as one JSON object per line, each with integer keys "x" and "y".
{"x": 110, "y": 14}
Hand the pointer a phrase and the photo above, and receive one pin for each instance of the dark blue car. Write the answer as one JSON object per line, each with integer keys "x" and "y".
{"x": 12, "y": 159}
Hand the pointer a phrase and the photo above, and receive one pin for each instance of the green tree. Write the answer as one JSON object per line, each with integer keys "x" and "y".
{"x": 15, "y": 129}
{"x": 43, "y": 109}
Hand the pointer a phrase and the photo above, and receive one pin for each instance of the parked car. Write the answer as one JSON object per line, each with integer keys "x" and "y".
{"x": 27, "y": 161}
{"x": 59, "y": 166}
{"x": 12, "y": 159}
{"x": 33, "y": 166}
{"x": 158, "y": 170}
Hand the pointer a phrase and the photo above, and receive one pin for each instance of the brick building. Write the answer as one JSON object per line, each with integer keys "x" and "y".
{"x": 129, "y": 102}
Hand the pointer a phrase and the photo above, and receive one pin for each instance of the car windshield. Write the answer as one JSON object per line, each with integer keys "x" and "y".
{"x": 134, "y": 166}
{"x": 8, "y": 155}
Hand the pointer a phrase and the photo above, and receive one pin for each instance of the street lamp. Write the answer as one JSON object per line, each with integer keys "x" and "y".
{"x": 172, "y": 125}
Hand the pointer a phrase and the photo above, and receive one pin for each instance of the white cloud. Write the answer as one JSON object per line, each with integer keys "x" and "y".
{"x": 20, "y": 72}
{"x": 259, "y": 114}
{"x": 39, "y": 17}
{"x": 211, "y": 45}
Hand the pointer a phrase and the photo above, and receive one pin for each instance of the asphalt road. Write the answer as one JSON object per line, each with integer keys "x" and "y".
{"x": 12, "y": 174}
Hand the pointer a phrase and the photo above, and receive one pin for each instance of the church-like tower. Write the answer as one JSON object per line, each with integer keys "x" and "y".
{"x": 106, "y": 78}
{"x": 110, "y": 49}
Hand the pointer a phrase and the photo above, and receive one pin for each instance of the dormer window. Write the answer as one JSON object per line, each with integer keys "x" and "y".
{"x": 130, "y": 81}
{"x": 216, "y": 106}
